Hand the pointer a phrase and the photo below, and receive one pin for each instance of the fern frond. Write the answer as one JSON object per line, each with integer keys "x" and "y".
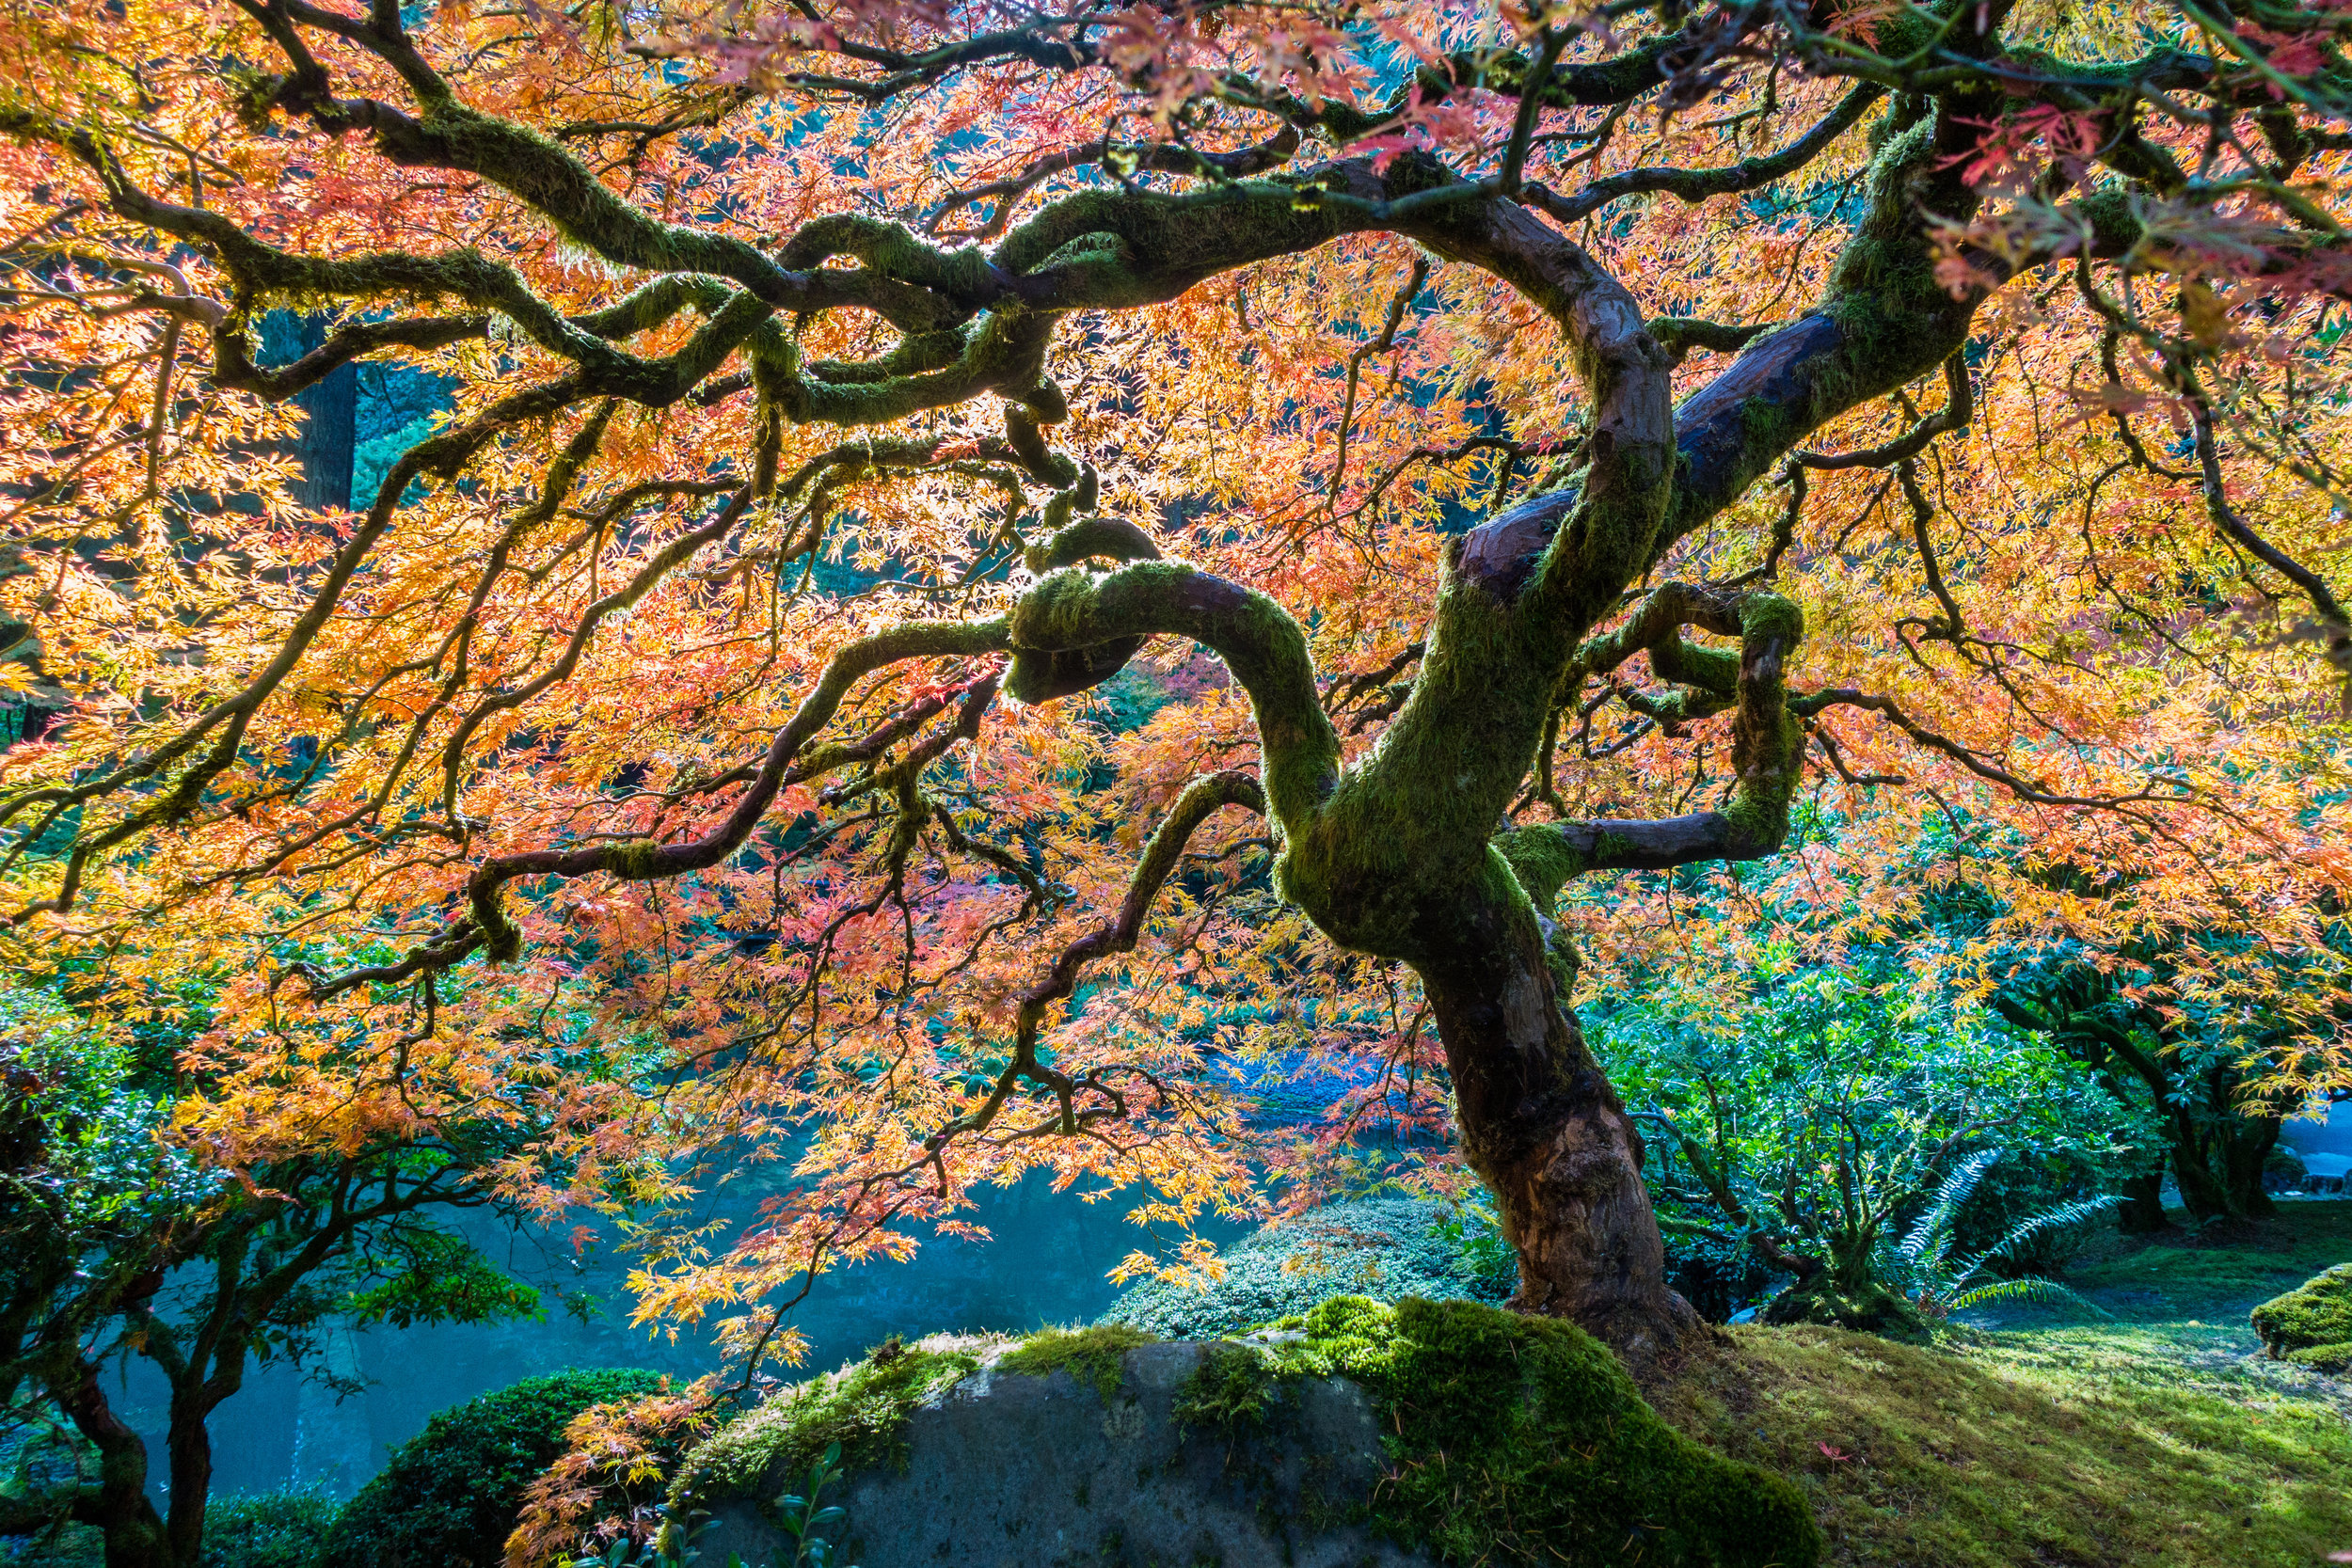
{"x": 1931, "y": 1236}
{"x": 2031, "y": 1288}
{"x": 2052, "y": 1219}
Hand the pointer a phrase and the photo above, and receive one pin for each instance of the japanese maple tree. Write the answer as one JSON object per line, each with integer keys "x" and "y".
{"x": 1523, "y": 456}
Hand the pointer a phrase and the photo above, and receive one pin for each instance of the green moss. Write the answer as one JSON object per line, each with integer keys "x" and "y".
{"x": 2097, "y": 1446}
{"x": 1092, "y": 1355}
{"x": 862, "y": 1407}
{"x": 2317, "y": 1312}
{"x": 1763, "y": 614}
{"x": 634, "y": 860}
{"x": 1544, "y": 862}
{"x": 1230, "y": 1389}
{"x": 2335, "y": 1360}
{"x": 1401, "y": 847}
{"x": 2217, "y": 1271}
{"x": 1516, "y": 1440}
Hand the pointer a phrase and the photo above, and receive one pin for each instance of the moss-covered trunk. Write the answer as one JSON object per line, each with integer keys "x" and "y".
{"x": 118, "y": 1505}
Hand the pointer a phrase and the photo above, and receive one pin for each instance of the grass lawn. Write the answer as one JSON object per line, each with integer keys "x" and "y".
{"x": 2158, "y": 1438}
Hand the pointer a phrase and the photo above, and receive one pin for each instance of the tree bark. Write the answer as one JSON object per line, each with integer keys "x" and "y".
{"x": 1541, "y": 1125}
{"x": 119, "y": 1506}
{"x": 2142, "y": 1213}
{"x": 330, "y": 433}
{"x": 188, "y": 1447}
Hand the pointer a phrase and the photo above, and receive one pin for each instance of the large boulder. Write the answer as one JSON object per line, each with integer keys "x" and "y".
{"x": 1360, "y": 1434}
{"x": 2311, "y": 1324}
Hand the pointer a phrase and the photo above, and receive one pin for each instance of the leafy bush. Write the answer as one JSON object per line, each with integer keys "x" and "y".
{"x": 268, "y": 1530}
{"x": 450, "y": 1496}
{"x": 2028, "y": 1181}
{"x": 1812, "y": 1120}
{"x": 1384, "y": 1248}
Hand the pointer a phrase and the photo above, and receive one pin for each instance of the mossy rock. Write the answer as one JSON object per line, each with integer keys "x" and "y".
{"x": 2335, "y": 1360}
{"x": 1521, "y": 1440}
{"x": 2317, "y": 1312}
{"x": 1402, "y": 1436}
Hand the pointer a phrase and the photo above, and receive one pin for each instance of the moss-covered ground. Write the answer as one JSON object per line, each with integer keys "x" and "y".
{"x": 2161, "y": 1436}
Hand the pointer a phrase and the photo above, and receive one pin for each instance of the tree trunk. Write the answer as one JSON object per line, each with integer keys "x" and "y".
{"x": 330, "y": 433}
{"x": 189, "y": 1445}
{"x": 133, "y": 1532}
{"x": 2217, "y": 1158}
{"x": 1541, "y": 1125}
{"x": 2142, "y": 1213}
{"x": 2241, "y": 1148}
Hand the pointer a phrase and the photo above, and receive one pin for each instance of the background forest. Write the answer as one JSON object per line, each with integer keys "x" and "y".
{"x": 691, "y": 691}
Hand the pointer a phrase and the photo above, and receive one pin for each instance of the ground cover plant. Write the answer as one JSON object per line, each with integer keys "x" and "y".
{"x": 2160, "y": 1432}
{"x": 1584, "y": 497}
{"x": 2085, "y": 1446}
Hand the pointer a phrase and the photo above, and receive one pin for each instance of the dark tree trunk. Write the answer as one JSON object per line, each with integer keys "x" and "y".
{"x": 189, "y": 1447}
{"x": 2218, "y": 1153}
{"x": 2241, "y": 1146}
{"x": 119, "y": 1507}
{"x": 331, "y": 431}
{"x": 1541, "y": 1124}
{"x": 2142, "y": 1213}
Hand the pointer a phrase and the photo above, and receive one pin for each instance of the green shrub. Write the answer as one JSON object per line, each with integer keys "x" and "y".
{"x": 1384, "y": 1248}
{"x": 268, "y": 1530}
{"x": 2316, "y": 1312}
{"x": 449, "y": 1497}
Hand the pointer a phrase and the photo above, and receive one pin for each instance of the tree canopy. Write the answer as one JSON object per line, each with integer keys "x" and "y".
{"x": 994, "y": 580}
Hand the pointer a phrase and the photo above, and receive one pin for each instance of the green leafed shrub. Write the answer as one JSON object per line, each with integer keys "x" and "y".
{"x": 1383, "y": 1248}
{"x": 2315, "y": 1314}
{"x": 268, "y": 1530}
{"x": 450, "y": 1496}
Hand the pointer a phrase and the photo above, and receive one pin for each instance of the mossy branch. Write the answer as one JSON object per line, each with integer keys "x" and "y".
{"x": 1767, "y": 755}
{"x": 1073, "y": 612}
